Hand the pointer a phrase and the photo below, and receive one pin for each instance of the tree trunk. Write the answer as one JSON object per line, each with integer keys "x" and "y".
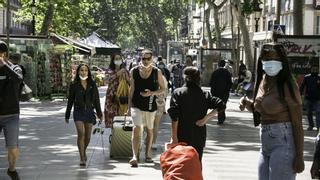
{"x": 207, "y": 16}
{"x": 217, "y": 28}
{"x": 233, "y": 52}
{"x": 298, "y": 17}
{"x": 245, "y": 35}
{"x": 47, "y": 21}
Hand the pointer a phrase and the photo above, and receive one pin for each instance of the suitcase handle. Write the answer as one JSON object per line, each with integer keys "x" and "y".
{"x": 126, "y": 124}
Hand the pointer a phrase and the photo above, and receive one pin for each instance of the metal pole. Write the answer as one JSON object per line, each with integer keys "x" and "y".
{"x": 238, "y": 49}
{"x": 33, "y": 18}
{"x": 8, "y": 21}
{"x": 255, "y": 48}
{"x": 204, "y": 19}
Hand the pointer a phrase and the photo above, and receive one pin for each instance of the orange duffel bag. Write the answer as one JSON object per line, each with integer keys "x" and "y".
{"x": 181, "y": 162}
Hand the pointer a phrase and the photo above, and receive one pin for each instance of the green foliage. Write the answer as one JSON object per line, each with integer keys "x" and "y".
{"x": 246, "y": 7}
{"x": 127, "y": 22}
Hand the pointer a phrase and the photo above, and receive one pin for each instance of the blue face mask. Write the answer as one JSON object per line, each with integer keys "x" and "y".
{"x": 272, "y": 68}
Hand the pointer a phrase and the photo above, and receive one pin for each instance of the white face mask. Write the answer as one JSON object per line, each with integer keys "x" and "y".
{"x": 272, "y": 68}
{"x": 83, "y": 78}
{"x": 118, "y": 63}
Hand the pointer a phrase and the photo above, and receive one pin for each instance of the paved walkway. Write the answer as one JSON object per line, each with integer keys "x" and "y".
{"x": 49, "y": 150}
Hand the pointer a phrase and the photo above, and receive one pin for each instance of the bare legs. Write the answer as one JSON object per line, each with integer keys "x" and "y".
{"x": 84, "y": 135}
{"x": 156, "y": 128}
{"x": 149, "y": 139}
{"x": 136, "y": 137}
{"x": 13, "y": 155}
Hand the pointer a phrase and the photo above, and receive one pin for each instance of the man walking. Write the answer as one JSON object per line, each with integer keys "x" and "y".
{"x": 10, "y": 89}
{"x": 177, "y": 71}
{"x": 220, "y": 84}
{"x": 312, "y": 95}
{"x": 146, "y": 83}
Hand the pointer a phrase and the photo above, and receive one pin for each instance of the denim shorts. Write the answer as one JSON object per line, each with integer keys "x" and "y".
{"x": 10, "y": 126}
{"x": 87, "y": 116}
{"x": 277, "y": 152}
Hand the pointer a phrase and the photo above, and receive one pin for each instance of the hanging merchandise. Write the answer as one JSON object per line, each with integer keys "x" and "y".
{"x": 60, "y": 68}
{"x": 41, "y": 75}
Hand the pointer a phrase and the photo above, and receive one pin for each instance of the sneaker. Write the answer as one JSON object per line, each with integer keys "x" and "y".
{"x": 13, "y": 175}
{"x": 310, "y": 128}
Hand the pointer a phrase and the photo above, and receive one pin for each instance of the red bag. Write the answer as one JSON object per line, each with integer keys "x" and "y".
{"x": 181, "y": 162}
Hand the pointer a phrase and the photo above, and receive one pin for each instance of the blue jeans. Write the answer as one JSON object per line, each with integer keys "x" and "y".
{"x": 313, "y": 106}
{"x": 277, "y": 152}
{"x": 10, "y": 125}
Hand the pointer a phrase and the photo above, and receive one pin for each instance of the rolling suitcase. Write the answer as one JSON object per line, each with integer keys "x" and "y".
{"x": 120, "y": 138}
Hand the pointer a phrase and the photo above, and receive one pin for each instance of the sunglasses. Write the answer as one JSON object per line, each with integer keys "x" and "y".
{"x": 146, "y": 59}
{"x": 269, "y": 48}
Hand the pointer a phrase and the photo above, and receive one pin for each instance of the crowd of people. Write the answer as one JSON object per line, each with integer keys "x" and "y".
{"x": 275, "y": 103}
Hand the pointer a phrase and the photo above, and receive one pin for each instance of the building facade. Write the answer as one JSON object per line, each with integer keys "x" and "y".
{"x": 266, "y": 24}
{"x": 16, "y": 27}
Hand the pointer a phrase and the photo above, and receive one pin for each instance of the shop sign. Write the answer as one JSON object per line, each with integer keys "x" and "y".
{"x": 302, "y": 65}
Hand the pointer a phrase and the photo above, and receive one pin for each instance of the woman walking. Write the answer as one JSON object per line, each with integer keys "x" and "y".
{"x": 277, "y": 106}
{"x": 114, "y": 74}
{"x": 84, "y": 95}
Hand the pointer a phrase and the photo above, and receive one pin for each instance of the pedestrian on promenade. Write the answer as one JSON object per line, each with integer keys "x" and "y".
{"x": 84, "y": 96}
{"x": 188, "y": 61}
{"x": 146, "y": 83}
{"x": 229, "y": 67}
{"x": 243, "y": 86}
{"x": 311, "y": 83}
{"x": 188, "y": 110}
{"x": 162, "y": 66}
{"x": 242, "y": 72}
{"x": 177, "y": 71}
{"x": 11, "y": 78}
{"x": 277, "y": 106}
{"x": 114, "y": 74}
{"x": 315, "y": 168}
{"x": 220, "y": 84}
{"x": 161, "y": 109}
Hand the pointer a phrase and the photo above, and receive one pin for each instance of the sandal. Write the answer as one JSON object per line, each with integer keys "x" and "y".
{"x": 133, "y": 163}
{"x": 148, "y": 160}
{"x": 82, "y": 163}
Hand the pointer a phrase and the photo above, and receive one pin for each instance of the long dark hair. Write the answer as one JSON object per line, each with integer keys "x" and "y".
{"x": 77, "y": 78}
{"x": 284, "y": 77}
{"x": 112, "y": 65}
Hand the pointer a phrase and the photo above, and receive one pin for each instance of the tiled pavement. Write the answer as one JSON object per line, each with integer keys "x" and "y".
{"x": 49, "y": 150}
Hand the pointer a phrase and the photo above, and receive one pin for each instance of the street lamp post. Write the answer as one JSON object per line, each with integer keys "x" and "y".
{"x": 8, "y": 21}
{"x": 257, "y": 14}
{"x": 33, "y": 12}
